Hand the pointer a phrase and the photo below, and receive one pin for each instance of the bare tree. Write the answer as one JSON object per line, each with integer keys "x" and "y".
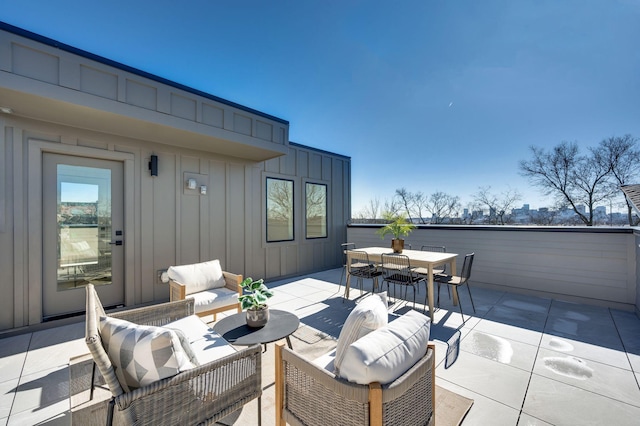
{"x": 392, "y": 206}
{"x": 499, "y": 206}
{"x": 443, "y": 206}
{"x": 569, "y": 176}
{"x": 371, "y": 210}
{"x": 624, "y": 162}
{"x": 406, "y": 201}
{"x": 420, "y": 206}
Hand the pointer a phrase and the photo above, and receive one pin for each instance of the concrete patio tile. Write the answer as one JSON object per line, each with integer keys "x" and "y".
{"x": 13, "y": 353}
{"x": 290, "y": 289}
{"x": 612, "y": 382}
{"x": 497, "y": 328}
{"x": 484, "y": 411}
{"x": 7, "y": 394}
{"x": 628, "y": 327}
{"x": 525, "y": 319}
{"x": 580, "y": 312}
{"x": 452, "y": 319}
{"x": 316, "y": 296}
{"x": 527, "y": 420}
{"x": 56, "y": 414}
{"x": 4, "y": 421}
{"x": 597, "y": 333}
{"x": 626, "y": 321}
{"x": 502, "y": 383}
{"x": 524, "y": 302}
{"x": 329, "y": 320}
{"x": 293, "y": 304}
{"x": 280, "y": 297}
{"x": 41, "y": 389}
{"x": 441, "y": 352}
{"x": 482, "y": 304}
{"x": 499, "y": 349}
{"x": 448, "y": 334}
{"x": 613, "y": 357}
{"x": 561, "y": 404}
{"x": 318, "y": 285}
{"x": 634, "y": 360}
{"x": 53, "y": 356}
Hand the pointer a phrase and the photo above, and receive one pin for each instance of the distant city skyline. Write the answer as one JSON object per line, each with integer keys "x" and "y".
{"x": 430, "y": 96}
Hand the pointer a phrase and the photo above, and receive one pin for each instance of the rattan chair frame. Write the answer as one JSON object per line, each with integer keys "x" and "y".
{"x": 308, "y": 395}
{"x": 201, "y": 395}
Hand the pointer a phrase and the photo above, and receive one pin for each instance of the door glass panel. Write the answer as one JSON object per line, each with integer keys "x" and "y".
{"x": 84, "y": 226}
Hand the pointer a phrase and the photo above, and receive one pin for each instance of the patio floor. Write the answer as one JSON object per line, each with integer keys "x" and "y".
{"x": 523, "y": 360}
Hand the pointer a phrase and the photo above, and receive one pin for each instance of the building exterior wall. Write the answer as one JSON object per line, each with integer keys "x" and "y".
{"x": 586, "y": 264}
{"x": 68, "y": 103}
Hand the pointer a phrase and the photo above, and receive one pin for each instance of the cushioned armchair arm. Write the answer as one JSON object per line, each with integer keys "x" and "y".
{"x": 210, "y": 391}
{"x": 157, "y": 315}
{"x": 232, "y": 281}
{"x": 177, "y": 291}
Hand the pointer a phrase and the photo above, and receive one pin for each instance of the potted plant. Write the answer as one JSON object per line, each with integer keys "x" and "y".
{"x": 398, "y": 226}
{"x": 255, "y": 301}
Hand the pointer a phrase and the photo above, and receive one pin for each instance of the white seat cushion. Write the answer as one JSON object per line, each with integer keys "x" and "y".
{"x": 368, "y": 315}
{"x": 388, "y": 352}
{"x": 206, "y": 344}
{"x": 198, "y": 276}
{"x": 326, "y": 361}
{"x": 142, "y": 354}
{"x": 212, "y": 299}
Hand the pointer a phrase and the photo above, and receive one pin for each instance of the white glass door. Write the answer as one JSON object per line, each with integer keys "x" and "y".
{"x": 83, "y": 232}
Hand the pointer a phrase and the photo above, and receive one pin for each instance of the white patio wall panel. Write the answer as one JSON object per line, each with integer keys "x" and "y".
{"x": 66, "y": 100}
{"x": 590, "y": 265}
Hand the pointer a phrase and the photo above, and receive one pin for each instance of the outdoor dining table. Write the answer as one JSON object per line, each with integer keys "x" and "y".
{"x": 417, "y": 258}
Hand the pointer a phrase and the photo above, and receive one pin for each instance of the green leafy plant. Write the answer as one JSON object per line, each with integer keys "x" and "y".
{"x": 397, "y": 225}
{"x": 257, "y": 296}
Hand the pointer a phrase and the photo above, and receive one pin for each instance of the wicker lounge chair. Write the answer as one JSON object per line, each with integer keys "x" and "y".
{"x": 307, "y": 394}
{"x": 200, "y": 395}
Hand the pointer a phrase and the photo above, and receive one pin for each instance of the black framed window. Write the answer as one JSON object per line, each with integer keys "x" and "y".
{"x": 316, "y": 210}
{"x": 279, "y": 210}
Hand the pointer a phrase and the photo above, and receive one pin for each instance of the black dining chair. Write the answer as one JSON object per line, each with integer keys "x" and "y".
{"x": 458, "y": 281}
{"x": 361, "y": 268}
{"x": 397, "y": 270}
{"x": 345, "y": 247}
{"x": 424, "y": 272}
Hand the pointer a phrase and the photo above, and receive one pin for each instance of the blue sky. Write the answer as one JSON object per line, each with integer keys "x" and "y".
{"x": 453, "y": 92}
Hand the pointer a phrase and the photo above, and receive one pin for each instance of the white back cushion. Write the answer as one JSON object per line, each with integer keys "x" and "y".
{"x": 368, "y": 315}
{"x": 388, "y": 352}
{"x": 198, "y": 276}
{"x": 206, "y": 344}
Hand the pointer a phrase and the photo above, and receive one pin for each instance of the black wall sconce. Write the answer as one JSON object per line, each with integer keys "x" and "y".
{"x": 153, "y": 165}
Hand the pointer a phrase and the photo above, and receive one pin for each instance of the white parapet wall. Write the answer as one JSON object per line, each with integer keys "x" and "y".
{"x": 583, "y": 264}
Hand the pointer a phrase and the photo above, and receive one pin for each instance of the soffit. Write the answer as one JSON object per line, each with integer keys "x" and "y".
{"x": 63, "y": 106}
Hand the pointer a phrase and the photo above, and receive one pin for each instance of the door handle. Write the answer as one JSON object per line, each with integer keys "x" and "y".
{"x": 116, "y": 243}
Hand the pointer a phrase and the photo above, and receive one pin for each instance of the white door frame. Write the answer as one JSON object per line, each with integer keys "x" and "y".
{"x": 34, "y": 275}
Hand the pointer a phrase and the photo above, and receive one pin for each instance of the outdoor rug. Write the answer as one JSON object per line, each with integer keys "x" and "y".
{"x": 451, "y": 408}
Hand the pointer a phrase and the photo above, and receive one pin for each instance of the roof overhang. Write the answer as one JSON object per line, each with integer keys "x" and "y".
{"x": 55, "y": 104}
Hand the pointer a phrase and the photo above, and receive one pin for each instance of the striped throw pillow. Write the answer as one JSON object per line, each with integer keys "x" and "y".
{"x": 142, "y": 354}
